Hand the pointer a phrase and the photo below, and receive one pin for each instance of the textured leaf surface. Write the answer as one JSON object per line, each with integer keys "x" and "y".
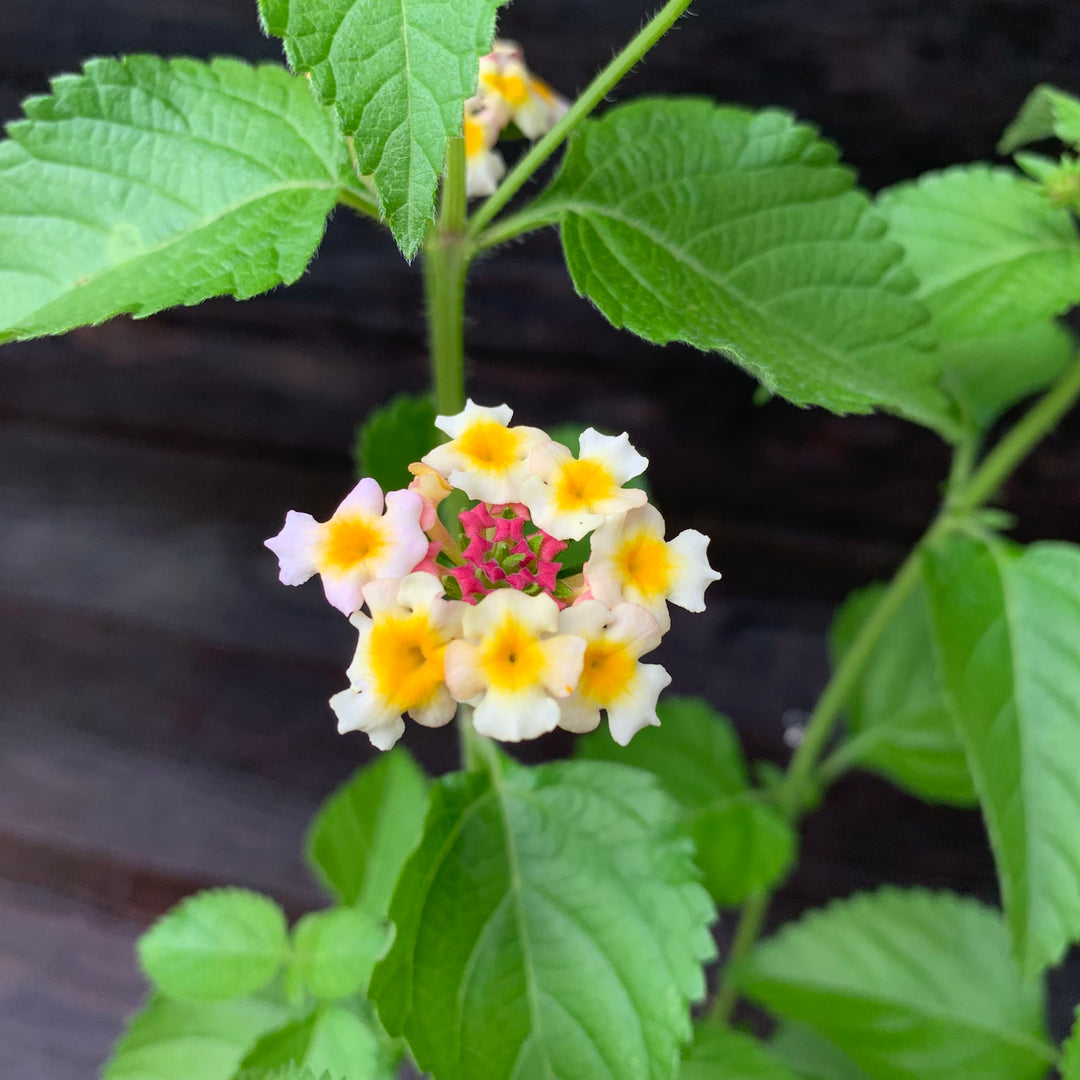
{"x": 742, "y": 844}
{"x": 739, "y": 232}
{"x": 365, "y": 831}
{"x": 145, "y": 183}
{"x": 901, "y": 726}
{"x": 811, "y": 1056}
{"x": 398, "y": 73}
{"x": 288, "y": 1072}
{"x": 1007, "y": 627}
{"x": 173, "y": 1040}
{"x": 335, "y": 951}
{"x": 218, "y": 944}
{"x": 394, "y": 436}
{"x": 911, "y": 985}
{"x": 719, "y": 1053}
{"x": 1046, "y": 112}
{"x": 335, "y": 1041}
{"x": 580, "y": 946}
{"x": 995, "y": 261}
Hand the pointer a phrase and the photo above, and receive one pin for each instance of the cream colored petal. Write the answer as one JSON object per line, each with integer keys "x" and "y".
{"x": 515, "y": 717}
{"x": 464, "y": 678}
{"x": 366, "y": 499}
{"x": 637, "y": 708}
{"x": 359, "y": 670}
{"x": 438, "y": 712}
{"x": 578, "y": 716}
{"x": 361, "y": 712}
{"x": 407, "y": 543}
{"x": 547, "y": 459}
{"x": 419, "y": 591}
{"x": 483, "y": 172}
{"x": 456, "y": 425}
{"x": 539, "y": 614}
{"x": 636, "y": 627}
{"x": 381, "y": 596}
{"x": 345, "y": 591}
{"x": 614, "y": 452}
{"x": 565, "y": 657}
{"x": 693, "y": 574}
{"x": 296, "y": 547}
{"x": 586, "y": 620}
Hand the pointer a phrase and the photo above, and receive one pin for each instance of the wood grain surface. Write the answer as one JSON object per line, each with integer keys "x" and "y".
{"x": 163, "y": 718}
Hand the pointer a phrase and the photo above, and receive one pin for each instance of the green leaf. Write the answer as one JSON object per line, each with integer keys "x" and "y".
{"x": 900, "y": 721}
{"x": 812, "y": 1057}
{"x": 335, "y": 951}
{"x": 580, "y": 945}
{"x": 743, "y": 845}
{"x": 288, "y": 1072}
{"x": 1007, "y": 629}
{"x": 398, "y": 73}
{"x": 215, "y": 945}
{"x": 739, "y": 232}
{"x": 719, "y": 1053}
{"x": 910, "y": 985}
{"x": 1070, "y": 1054}
{"x": 394, "y": 436}
{"x": 335, "y": 1041}
{"x": 990, "y": 373}
{"x": 1046, "y": 112}
{"x": 174, "y": 1040}
{"x": 365, "y": 831}
{"x": 145, "y": 183}
{"x": 996, "y": 260}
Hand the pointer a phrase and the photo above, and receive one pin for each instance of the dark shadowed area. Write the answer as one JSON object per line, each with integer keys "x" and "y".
{"x": 163, "y": 717}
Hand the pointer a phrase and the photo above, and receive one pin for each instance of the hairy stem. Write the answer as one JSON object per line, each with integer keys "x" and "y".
{"x": 967, "y": 493}
{"x": 594, "y": 93}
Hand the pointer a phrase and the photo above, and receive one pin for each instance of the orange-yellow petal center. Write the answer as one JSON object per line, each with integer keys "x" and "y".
{"x": 511, "y": 88}
{"x": 644, "y": 562}
{"x": 349, "y": 541}
{"x": 407, "y": 660}
{"x": 489, "y": 446}
{"x": 607, "y": 672}
{"x": 474, "y": 137}
{"x": 511, "y": 657}
{"x": 581, "y": 484}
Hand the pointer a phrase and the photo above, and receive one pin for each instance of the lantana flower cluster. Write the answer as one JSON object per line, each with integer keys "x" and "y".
{"x": 507, "y": 93}
{"x": 492, "y": 613}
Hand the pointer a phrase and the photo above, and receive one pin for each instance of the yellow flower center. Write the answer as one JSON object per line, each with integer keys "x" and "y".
{"x": 543, "y": 91}
{"x": 644, "y": 562}
{"x": 581, "y": 484}
{"x": 511, "y": 658}
{"x": 474, "y": 137}
{"x": 510, "y": 88}
{"x": 608, "y": 669}
{"x": 489, "y": 446}
{"x": 349, "y": 541}
{"x": 407, "y": 659}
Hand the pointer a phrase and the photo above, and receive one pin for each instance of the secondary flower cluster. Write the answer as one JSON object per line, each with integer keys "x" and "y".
{"x": 507, "y": 93}
{"x": 490, "y": 616}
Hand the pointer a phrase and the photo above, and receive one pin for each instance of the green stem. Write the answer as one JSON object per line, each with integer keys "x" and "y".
{"x": 594, "y": 93}
{"x": 361, "y": 201}
{"x": 509, "y": 228}
{"x": 453, "y": 215}
{"x": 967, "y": 494}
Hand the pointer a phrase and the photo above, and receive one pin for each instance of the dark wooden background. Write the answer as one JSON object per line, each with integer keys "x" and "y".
{"x": 162, "y": 698}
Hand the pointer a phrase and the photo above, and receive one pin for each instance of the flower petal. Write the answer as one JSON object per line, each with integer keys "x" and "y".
{"x": 637, "y": 709}
{"x": 296, "y": 547}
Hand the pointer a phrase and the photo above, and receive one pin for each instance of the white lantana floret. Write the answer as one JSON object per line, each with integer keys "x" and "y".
{"x": 513, "y": 664}
{"x": 569, "y": 497}
{"x": 359, "y": 544}
{"x": 485, "y": 458}
{"x": 612, "y": 677}
{"x": 631, "y": 561}
{"x": 399, "y": 666}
